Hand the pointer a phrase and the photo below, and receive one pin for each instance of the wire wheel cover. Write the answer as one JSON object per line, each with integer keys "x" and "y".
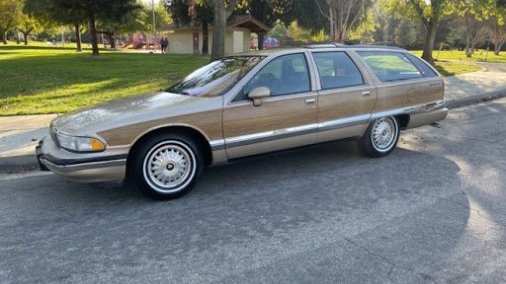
{"x": 384, "y": 134}
{"x": 169, "y": 166}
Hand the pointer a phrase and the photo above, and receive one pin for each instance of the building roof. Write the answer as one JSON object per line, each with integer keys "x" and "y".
{"x": 243, "y": 21}
{"x": 249, "y": 22}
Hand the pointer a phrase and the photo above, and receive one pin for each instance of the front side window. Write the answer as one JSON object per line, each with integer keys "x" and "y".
{"x": 390, "y": 66}
{"x": 216, "y": 77}
{"x": 287, "y": 74}
{"x": 337, "y": 70}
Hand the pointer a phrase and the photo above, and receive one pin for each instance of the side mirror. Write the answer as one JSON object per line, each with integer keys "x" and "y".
{"x": 258, "y": 94}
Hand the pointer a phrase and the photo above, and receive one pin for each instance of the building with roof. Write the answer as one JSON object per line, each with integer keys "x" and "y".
{"x": 188, "y": 39}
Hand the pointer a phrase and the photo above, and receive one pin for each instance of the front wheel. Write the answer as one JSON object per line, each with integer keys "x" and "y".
{"x": 380, "y": 138}
{"x": 166, "y": 166}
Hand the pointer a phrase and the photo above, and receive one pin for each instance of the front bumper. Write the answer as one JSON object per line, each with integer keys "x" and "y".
{"x": 109, "y": 165}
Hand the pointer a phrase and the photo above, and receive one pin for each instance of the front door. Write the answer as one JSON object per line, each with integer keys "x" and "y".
{"x": 196, "y": 41}
{"x": 286, "y": 119}
{"x": 346, "y": 100}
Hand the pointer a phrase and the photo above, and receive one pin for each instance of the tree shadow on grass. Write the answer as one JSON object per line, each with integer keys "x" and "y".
{"x": 33, "y": 47}
{"x": 51, "y": 77}
{"x": 443, "y": 71}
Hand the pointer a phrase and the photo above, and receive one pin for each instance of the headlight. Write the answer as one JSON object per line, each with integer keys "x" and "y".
{"x": 79, "y": 144}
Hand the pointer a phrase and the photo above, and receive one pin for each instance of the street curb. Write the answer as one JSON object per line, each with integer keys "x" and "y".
{"x": 18, "y": 164}
{"x": 471, "y": 100}
{"x": 25, "y": 163}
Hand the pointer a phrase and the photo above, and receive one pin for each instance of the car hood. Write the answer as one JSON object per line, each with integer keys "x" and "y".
{"x": 126, "y": 111}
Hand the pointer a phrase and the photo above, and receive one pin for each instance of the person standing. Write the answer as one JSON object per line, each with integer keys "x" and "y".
{"x": 162, "y": 45}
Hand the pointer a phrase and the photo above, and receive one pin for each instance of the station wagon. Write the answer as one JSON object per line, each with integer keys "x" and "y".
{"x": 244, "y": 105}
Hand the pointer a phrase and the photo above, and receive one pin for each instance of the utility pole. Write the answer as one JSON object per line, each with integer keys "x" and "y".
{"x": 62, "y": 37}
{"x": 154, "y": 22}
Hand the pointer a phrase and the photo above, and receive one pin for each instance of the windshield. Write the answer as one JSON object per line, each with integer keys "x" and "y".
{"x": 216, "y": 77}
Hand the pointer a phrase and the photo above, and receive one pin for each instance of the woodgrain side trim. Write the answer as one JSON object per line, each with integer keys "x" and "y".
{"x": 284, "y": 133}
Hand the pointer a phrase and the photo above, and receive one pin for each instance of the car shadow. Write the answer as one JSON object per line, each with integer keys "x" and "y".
{"x": 344, "y": 202}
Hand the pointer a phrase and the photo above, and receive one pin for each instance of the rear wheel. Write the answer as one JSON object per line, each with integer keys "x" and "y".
{"x": 380, "y": 137}
{"x": 166, "y": 166}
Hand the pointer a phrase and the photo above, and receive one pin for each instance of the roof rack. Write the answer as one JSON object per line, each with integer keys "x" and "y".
{"x": 325, "y": 45}
{"x": 342, "y": 45}
{"x": 375, "y": 46}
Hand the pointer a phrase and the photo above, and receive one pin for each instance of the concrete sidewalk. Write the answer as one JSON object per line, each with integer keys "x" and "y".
{"x": 18, "y": 137}
{"x": 19, "y": 134}
{"x": 475, "y": 87}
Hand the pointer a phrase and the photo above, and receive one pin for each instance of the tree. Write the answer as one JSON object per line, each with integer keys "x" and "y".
{"x": 91, "y": 11}
{"x": 473, "y": 14}
{"x": 222, "y": 11}
{"x": 134, "y": 20}
{"x": 267, "y": 12}
{"x": 27, "y": 25}
{"x": 342, "y": 15}
{"x": 429, "y": 12}
{"x": 279, "y": 31}
{"x": 145, "y": 15}
{"x": 497, "y": 24}
{"x": 58, "y": 11}
{"x": 497, "y": 28}
{"x": 192, "y": 12}
{"x": 10, "y": 13}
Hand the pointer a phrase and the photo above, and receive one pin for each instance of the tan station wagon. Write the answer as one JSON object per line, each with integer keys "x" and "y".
{"x": 245, "y": 105}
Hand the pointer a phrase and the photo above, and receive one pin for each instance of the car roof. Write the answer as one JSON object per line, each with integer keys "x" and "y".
{"x": 321, "y": 47}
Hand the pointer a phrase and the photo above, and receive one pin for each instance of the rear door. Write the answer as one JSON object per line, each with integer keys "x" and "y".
{"x": 346, "y": 98}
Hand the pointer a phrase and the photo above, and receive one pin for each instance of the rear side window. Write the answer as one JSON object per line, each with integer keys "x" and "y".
{"x": 422, "y": 66}
{"x": 390, "y": 66}
{"x": 337, "y": 70}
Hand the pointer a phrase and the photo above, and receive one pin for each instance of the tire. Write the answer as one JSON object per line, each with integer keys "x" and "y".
{"x": 166, "y": 166}
{"x": 380, "y": 138}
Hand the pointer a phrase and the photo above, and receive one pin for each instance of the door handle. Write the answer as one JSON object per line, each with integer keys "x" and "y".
{"x": 310, "y": 101}
{"x": 366, "y": 93}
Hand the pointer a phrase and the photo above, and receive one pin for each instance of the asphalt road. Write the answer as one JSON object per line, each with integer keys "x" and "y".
{"x": 433, "y": 211}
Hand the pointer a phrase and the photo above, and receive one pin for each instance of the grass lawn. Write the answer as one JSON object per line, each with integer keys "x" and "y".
{"x": 43, "y": 79}
{"x": 454, "y": 62}
{"x": 39, "y": 79}
{"x": 479, "y": 55}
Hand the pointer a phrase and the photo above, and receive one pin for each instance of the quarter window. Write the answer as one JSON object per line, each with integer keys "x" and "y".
{"x": 390, "y": 66}
{"x": 284, "y": 75}
{"x": 337, "y": 70}
{"x": 422, "y": 66}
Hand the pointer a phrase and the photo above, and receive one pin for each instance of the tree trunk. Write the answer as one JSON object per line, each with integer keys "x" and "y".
{"x": 469, "y": 53}
{"x": 25, "y": 37}
{"x": 332, "y": 21}
{"x": 261, "y": 38}
{"x": 112, "y": 42}
{"x": 498, "y": 48}
{"x": 4, "y": 35}
{"x": 205, "y": 38}
{"x": 429, "y": 41}
{"x": 219, "y": 29}
{"x": 78, "y": 38}
{"x": 93, "y": 33}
